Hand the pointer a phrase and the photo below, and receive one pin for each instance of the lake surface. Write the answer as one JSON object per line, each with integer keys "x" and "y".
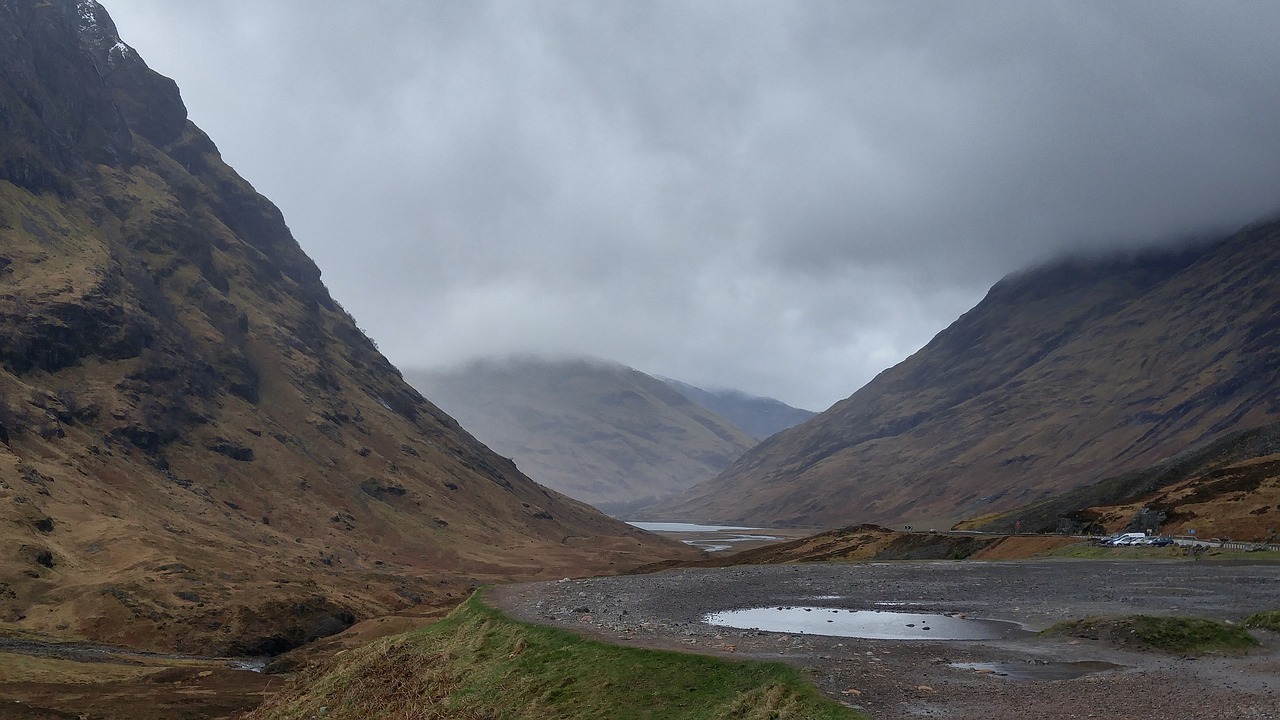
{"x": 679, "y": 527}
{"x": 714, "y": 538}
{"x": 866, "y": 624}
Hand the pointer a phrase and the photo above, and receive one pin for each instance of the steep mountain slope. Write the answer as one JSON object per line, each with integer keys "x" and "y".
{"x": 1059, "y": 377}
{"x": 1230, "y": 487}
{"x": 198, "y": 447}
{"x": 1240, "y": 501}
{"x": 760, "y": 417}
{"x": 594, "y": 430}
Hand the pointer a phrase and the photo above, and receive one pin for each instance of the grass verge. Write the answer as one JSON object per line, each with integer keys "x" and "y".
{"x": 478, "y": 664}
{"x": 1266, "y": 620}
{"x": 1182, "y": 635}
{"x": 1089, "y": 551}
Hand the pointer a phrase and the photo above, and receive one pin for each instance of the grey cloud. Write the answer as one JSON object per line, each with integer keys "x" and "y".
{"x": 779, "y": 197}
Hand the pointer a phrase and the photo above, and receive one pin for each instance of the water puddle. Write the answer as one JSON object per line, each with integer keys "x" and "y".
{"x": 1040, "y": 670}
{"x": 866, "y": 624}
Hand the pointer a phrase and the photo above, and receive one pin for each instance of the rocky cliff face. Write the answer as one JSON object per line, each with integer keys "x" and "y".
{"x": 1059, "y": 377}
{"x": 597, "y": 431}
{"x": 198, "y": 447}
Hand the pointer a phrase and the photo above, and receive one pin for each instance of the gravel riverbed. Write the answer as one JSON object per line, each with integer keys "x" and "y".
{"x": 901, "y": 679}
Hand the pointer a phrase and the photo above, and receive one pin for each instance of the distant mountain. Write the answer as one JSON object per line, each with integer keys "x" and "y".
{"x": 759, "y": 416}
{"x": 1061, "y": 376}
{"x": 597, "y": 431}
{"x": 199, "y": 449}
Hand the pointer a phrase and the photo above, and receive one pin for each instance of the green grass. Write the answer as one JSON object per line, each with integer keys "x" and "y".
{"x": 1263, "y": 556}
{"x": 1267, "y": 620}
{"x": 478, "y": 663}
{"x": 1191, "y": 635}
{"x": 1181, "y": 635}
{"x": 1089, "y": 551}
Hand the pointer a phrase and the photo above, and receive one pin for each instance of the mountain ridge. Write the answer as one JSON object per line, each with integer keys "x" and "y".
{"x": 596, "y": 430}
{"x": 760, "y": 417}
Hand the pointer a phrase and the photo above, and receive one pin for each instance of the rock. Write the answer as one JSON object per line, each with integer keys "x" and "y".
{"x": 231, "y": 449}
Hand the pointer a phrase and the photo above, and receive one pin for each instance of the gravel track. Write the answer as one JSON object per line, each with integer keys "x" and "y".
{"x": 898, "y": 680}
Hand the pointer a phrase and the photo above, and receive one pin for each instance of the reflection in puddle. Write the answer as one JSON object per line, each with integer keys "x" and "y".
{"x": 867, "y": 624}
{"x": 1040, "y": 670}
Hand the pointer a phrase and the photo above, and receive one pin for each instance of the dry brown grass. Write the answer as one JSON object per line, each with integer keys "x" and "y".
{"x": 468, "y": 667}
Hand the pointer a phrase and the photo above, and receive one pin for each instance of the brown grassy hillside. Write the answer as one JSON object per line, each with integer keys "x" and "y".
{"x": 198, "y": 447}
{"x": 1240, "y": 501}
{"x": 1229, "y": 487}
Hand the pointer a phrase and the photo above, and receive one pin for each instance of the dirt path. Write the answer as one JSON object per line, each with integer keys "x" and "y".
{"x": 900, "y": 680}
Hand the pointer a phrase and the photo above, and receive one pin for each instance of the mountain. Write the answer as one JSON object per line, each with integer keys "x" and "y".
{"x": 1239, "y": 501}
{"x": 199, "y": 450}
{"x": 760, "y": 417}
{"x": 597, "y": 431}
{"x": 1060, "y": 377}
{"x": 1229, "y": 487}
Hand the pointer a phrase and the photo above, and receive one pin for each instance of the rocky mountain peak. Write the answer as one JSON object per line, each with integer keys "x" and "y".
{"x": 98, "y": 32}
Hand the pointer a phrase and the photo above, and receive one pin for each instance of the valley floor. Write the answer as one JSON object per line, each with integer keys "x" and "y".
{"x": 901, "y": 680}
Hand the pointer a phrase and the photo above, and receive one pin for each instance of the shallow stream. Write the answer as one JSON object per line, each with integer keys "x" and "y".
{"x": 1040, "y": 670}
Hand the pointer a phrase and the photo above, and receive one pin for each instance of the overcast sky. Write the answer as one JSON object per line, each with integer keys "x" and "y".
{"x": 779, "y": 197}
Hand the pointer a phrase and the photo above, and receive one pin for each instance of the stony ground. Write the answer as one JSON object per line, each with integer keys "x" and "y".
{"x": 897, "y": 680}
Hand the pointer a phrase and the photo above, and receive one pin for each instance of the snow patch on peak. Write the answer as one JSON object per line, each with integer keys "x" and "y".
{"x": 88, "y": 11}
{"x": 123, "y": 50}
{"x": 91, "y": 25}
{"x": 99, "y": 32}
